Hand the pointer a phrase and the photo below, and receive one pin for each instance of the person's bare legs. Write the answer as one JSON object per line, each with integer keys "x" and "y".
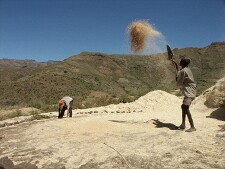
{"x": 191, "y": 122}
{"x": 182, "y": 126}
{"x": 186, "y": 111}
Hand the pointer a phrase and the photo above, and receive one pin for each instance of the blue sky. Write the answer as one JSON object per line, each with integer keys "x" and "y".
{"x": 45, "y": 30}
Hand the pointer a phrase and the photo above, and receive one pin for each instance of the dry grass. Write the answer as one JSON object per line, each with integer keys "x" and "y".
{"x": 8, "y": 114}
{"x": 139, "y": 32}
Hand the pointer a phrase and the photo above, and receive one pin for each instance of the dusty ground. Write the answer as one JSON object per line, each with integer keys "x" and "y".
{"x": 137, "y": 135}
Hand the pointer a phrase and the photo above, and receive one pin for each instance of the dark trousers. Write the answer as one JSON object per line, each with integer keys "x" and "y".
{"x": 62, "y": 111}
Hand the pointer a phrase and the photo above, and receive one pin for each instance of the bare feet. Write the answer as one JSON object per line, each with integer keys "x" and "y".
{"x": 191, "y": 129}
{"x": 181, "y": 127}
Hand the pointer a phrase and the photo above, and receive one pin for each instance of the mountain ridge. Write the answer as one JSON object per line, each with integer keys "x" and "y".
{"x": 98, "y": 79}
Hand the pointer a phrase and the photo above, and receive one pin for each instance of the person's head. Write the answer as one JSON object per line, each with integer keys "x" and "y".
{"x": 184, "y": 62}
{"x": 61, "y": 103}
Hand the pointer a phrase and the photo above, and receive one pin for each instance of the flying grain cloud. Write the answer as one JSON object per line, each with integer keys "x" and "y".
{"x": 145, "y": 39}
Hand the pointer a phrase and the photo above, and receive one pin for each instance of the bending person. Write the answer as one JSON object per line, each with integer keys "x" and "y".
{"x": 66, "y": 103}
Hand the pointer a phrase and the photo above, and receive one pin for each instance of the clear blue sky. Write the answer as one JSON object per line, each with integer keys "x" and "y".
{"x": 45, "y": 30}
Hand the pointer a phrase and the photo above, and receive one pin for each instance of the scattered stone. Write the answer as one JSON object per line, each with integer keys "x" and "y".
{"x": 25, "y": 165}
{"x": 222, "y": 127}
{"x": 16, "y": 122}
{"x": 1, "y": 137}
{"x": 199, "y": 152}
{"x": 8, "y": 124}
{"x": 168, "y": 155}
{"x": 95, "y": 111}
{"x": 2, "y": 125}
{"x": 220, "y": 134}
{"x": 6, "y": 163}
{"x": 186, "y": 162}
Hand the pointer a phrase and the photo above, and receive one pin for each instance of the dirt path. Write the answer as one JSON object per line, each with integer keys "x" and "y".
{"x": 143, "y": 141}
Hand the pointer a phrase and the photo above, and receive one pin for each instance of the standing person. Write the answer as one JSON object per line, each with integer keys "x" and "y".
{"x": 65, "y": 103}
{"x": 187, "y": 84}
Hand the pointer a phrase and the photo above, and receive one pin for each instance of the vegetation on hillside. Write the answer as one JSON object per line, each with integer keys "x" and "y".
{"x": 97, "y": 79}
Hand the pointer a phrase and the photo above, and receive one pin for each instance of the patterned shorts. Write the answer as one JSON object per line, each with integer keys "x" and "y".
{"x": 187, "y": 101}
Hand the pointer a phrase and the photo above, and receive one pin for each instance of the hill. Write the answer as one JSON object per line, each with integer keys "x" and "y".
{"x": 97, "y": 79}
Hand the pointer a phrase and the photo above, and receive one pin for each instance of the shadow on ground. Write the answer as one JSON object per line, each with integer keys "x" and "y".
{"x": 218, "y": 114}
{"x": 118, "y": 121}
{"x": 128, "y": 122}
{"x": 159, "y": 124}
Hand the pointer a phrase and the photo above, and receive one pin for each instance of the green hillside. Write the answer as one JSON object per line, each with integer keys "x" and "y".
{"x": 96, "y": 79}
